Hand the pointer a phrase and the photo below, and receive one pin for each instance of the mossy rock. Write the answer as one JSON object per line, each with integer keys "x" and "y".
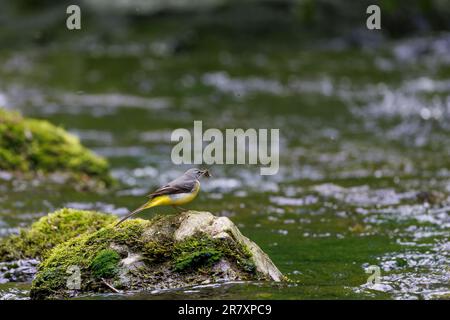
{"x": 57, "y": 227}
{"x": 30, "y": 145}
{"x": 167, "y": 252}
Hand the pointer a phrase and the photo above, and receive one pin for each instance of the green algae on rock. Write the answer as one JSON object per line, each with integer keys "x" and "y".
{"x": 31, "y": 145}
{"x": 49, "y": 231}
{"x": 175, "y": 251}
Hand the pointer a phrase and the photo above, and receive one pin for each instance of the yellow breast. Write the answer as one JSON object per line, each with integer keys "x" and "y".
{"x": 174, "y": 199}
{"x": 183, "y": 198}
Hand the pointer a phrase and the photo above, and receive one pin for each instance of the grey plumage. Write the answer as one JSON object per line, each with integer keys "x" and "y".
{"x": 183, "y": 184}
{"x": 186, "y": 183}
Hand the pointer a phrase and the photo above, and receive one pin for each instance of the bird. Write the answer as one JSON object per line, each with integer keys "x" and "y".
{"x": 178, "y": 192}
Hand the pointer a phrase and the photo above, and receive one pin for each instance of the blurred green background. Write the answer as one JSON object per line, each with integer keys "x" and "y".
{"x": 363, "y": 116}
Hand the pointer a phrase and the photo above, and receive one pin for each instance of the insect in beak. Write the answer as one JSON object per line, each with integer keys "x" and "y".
{"x": 206, "y": 173}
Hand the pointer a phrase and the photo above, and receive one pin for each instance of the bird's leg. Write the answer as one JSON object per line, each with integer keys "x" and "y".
{"x": 179, "y": 209}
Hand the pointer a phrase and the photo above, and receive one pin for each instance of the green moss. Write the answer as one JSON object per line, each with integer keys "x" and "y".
{"x": 105, "y": 263}
{"x": 51, "y": 230}
{"x": 194, "y": 260}
{"x": 37, "y": 145}
{"x": 203, "y": 251}
{"x": 91, "y": 253}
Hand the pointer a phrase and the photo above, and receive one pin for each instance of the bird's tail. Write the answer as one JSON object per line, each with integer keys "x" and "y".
{"x": 147, "y": 205}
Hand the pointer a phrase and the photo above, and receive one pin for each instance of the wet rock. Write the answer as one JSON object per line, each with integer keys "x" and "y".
{"x": 18, "y": 271}
{"x": 176, "y": 251}
{"x": 431, "y": 197}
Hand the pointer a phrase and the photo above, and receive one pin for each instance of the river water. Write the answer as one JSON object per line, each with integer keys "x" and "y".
{"x": 364, "y": 142}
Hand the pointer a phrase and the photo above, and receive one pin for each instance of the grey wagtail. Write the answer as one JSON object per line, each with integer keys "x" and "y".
{"x": 178, "y": 192}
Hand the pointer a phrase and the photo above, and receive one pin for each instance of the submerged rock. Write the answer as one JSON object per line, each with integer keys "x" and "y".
{"x": 187, "y": 249}
{"x": 37, "y": 146}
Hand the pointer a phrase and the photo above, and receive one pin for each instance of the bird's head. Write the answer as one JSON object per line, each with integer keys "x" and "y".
{"x": 198, "y": 173}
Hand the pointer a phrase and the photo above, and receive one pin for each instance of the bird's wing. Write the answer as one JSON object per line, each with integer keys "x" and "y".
{"x": 179, "y": 185}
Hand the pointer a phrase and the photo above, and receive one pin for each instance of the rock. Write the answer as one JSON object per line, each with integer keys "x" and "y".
{"x": 430, "y": 197}
{"x": 30, "y": 146}
{"x": 175, "y": 251}
{"x": 223, "y": 228}
{"x": 18, "y": 271}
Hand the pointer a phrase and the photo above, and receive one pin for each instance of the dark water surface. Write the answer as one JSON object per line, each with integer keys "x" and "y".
{"x": 363, "y": 132}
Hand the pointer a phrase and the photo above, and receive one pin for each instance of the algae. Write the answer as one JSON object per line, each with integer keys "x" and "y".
{"x": 31, "y": 145}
